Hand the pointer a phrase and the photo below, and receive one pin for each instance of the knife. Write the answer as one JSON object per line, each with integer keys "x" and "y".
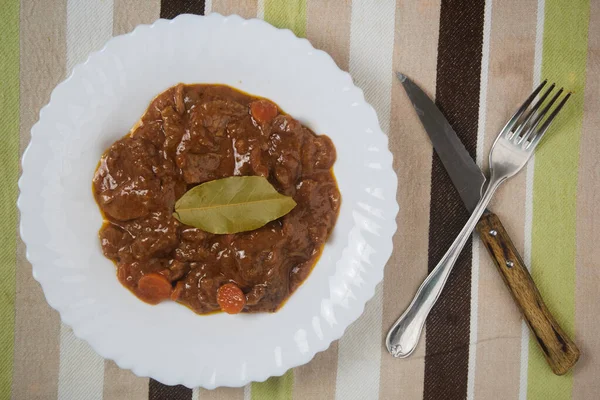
{"x": 560, "y": 351}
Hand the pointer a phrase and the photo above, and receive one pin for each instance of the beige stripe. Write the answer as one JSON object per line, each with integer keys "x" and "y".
{"x": 510, "y": 77}
{"x": 328, "y": 28}
{"x": 316, "y": 380}
{"x": 243, "y": 8}
{"x": 129, "y": 14}
{"x": 123, "y": 384}
{"x": 223, "y": 393}
{"x": 371, "y": 66}
{"x": 37, "y": 327}
{"x": 587, "y": 294}
{"x": 415, "y": 52}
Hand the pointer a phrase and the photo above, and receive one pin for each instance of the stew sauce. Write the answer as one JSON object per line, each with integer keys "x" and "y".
{"x": 192, "y": 134}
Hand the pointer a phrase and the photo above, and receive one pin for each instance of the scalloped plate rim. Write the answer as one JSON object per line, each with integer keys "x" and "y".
{"x": 31, "y": 252}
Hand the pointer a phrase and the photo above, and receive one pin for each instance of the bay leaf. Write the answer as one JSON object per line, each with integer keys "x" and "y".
{"x": 231, "y": 205}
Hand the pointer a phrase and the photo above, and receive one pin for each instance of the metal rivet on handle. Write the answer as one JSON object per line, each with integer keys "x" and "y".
{"x": 493, "y": 232}
{"x": 510, "y": 264}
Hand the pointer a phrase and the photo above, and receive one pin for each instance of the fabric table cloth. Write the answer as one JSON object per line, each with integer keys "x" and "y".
{"x": 480, "y": 60}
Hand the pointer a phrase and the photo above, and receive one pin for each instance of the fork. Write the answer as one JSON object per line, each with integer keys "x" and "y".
{"x": 511, "y": 150}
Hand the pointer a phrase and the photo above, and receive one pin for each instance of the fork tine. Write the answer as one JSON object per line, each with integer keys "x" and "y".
{"x": 517, "y": 115}
{"x": 532, "y": 127}
{"x": 547, "y": 122}
{"x": 533, "y": 112}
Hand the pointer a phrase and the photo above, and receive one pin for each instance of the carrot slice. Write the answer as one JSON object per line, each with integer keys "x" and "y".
{"x": 231, "y": 299}
{"x": 263, "y": 111}
{"x": 154, "y": 288}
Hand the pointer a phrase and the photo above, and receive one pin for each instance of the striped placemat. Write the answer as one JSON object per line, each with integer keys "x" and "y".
{"x": 479, "y": 59}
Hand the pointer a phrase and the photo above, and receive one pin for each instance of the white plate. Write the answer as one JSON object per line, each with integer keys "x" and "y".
{"x": 100, "y": 102}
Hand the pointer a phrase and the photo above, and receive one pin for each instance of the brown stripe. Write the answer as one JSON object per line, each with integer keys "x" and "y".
{"x": 158, "y": 391}
{"x": 586, "y": 384}
{"x": 171, "y": 8}
{"x": 243, "y": 8}
{"x": 457, "y": 95}
{"x": 415, "y": 51}
{"x": 128, "y": 14}
{"x": 37, "y": 327}
{"x": 510, "y": 80}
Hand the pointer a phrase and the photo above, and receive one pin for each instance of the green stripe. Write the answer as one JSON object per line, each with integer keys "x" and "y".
{"x": 555, "y": 185}
{"x": 275, "y": 388}
{"x": 290, "y": 14}
{"x": 9, "y": 172}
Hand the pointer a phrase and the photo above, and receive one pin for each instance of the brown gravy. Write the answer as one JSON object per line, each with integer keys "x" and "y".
{"x": 192, "y": 134}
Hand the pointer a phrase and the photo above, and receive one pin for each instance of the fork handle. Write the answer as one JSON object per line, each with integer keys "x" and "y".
{"x": 560, "y": 351}
{"x": 403, "y": 337}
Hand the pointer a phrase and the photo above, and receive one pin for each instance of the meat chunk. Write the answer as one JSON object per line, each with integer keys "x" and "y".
{"x": 125, "y": 184}
{"x": 252, "y": 261}
{"x": 285, "y": 124}
{"x": 255, "y": 295}
{"x": 151, "y": 131}
{"x": 257, "y": 163}
{"x": 216, "y": 114}
{"x": 198, "y": 168}
{"x": 197, "y": 139}
{"x": 194, "y": 235}
{"x": 178, "y": 98}
{"x": 155, "y": 235}
{"x": 318, "y": 154}
{"x": 177, "y": 270}
{"x": 193, "y": 246}
{"x": 130, "y": 273}
{"x": 173, "y": 129}
{"x": 113, "y": 240}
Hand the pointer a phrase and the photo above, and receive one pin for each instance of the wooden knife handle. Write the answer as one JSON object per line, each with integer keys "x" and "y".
{"x": 559, "y": 350}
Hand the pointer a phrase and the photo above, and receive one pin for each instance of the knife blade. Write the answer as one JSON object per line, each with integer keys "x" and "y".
{"x": 464, "y": 173}
{"x": 559, "y": 350}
